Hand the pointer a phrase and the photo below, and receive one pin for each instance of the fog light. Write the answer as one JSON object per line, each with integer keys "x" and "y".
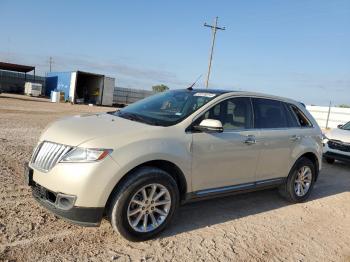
{"x": 65, "y": 202}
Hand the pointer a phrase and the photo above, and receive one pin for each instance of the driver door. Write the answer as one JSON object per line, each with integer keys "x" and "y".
{"x": 225, "y": 160}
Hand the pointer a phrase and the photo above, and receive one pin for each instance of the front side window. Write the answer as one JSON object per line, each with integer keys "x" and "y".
{"x": 168, "y": 108}
{"x": 269, "y": 113}
{"x": 234, "y": 114}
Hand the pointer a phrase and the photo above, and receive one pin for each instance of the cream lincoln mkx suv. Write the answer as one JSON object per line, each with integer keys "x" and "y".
{"x": 136, "y": 165}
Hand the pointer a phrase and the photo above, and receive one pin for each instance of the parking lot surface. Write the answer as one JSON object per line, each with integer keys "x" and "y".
{"x": 257, "y": 226}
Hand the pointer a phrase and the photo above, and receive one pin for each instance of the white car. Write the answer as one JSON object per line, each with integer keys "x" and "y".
{"x": 336, "y": 144}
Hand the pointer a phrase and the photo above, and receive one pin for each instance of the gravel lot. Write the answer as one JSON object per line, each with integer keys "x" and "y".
{"x": 257, "y": 226}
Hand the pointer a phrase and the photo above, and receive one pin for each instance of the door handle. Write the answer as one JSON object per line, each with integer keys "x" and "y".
{"x": 250, "y": 140}
{"x": 295, "y": 138}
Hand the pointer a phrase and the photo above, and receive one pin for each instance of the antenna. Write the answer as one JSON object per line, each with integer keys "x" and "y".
{"x": 194, "y": 83}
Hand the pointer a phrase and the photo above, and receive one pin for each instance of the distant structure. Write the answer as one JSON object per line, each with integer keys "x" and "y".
{"x": 14, "y": 76}
{"x": 213, "y": 28}
{"x": 82, "y": 87}
{"x": 77, "y": 87}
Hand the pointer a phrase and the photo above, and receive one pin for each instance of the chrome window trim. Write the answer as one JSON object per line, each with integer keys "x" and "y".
{"x": 204, "y": 110}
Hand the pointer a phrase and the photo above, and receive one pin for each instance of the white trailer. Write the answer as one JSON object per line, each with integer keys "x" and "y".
{"x": 91, "y": 88}
{"x": 32, "y": 89}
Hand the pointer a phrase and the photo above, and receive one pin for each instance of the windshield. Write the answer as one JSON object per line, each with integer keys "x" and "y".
{"x": 346, "y": 126}
{"x": 167, "y": 108}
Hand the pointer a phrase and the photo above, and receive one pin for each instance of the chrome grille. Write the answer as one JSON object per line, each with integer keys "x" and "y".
{"x": 47, "y": 155}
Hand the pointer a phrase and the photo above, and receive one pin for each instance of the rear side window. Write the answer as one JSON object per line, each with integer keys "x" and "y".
{"x": 291, "y": 117}
{"x": 301, "y": 118}
{"x": 269, "y": 113}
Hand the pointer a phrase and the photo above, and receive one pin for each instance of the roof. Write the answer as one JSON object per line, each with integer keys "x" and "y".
{"x": 55, "y": 73}
{"x": 16, "y": 67}
{"x": 240, "y": 93}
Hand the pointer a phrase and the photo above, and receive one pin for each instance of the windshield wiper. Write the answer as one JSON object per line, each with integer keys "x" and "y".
{"x": 138, "y": 118}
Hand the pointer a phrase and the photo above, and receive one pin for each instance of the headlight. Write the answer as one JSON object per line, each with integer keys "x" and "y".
{"x": 80, "y": 154}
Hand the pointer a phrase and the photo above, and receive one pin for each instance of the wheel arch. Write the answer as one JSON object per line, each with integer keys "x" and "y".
{"x": 167, "y": 166}
{"x": 314, "y": 159}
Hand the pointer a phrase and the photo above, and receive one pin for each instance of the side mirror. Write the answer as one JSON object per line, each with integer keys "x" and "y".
{"x": 339, "y": 126}
{"x": 210, "y": 126}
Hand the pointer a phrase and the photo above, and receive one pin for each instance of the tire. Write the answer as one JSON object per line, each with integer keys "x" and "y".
{"x": 330, "y": 160}
{"x": 121, "y": 205}
{"x": 290, "y": 190}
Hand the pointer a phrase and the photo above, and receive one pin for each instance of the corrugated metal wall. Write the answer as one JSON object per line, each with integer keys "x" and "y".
{"x": 127, "y": 96}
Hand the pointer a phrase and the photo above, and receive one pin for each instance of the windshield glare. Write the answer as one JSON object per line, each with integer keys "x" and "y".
{"x": 167, "y": 108}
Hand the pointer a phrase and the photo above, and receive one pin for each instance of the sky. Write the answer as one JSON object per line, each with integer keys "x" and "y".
{"x": 298, "y": 48}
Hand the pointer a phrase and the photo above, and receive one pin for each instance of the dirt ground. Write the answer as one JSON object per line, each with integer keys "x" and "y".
{"x": 256, "y": 226}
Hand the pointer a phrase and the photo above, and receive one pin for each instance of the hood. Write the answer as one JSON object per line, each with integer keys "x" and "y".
{"x": 339, "y": 134}
{"x": 76, "y": 130}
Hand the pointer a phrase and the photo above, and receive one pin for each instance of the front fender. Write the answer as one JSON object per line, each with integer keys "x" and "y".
{"x": 137, "y": 153}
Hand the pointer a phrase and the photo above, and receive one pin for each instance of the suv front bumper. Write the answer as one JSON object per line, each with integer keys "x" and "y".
{"x": 85, "y": 216}
{"x": 337, "y": 156}
{"x": 334, "y": 153}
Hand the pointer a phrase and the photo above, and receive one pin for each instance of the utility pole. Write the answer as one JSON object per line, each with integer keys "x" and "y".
{"x": 213, "y": 28}
{"x": 329, "y": 112}
{"x": 50, "y": 62}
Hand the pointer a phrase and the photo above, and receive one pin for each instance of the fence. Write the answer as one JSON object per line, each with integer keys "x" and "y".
{"x": 14, "y": 82}
{"x": 125, "y": 96}
{"x": 337, "y": 115}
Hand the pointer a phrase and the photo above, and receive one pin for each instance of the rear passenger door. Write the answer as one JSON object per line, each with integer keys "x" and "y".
{"x": 277, "y": 137}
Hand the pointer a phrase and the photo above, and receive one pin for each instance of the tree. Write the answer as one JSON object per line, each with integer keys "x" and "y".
{"x": 344, "y": 106}
{"x": 159, "y": 88}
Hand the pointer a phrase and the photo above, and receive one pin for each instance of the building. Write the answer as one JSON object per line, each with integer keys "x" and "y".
{"x": 82, "y": 87}
{"x": 14, "y": 76}
{"x": 78, "y": 87}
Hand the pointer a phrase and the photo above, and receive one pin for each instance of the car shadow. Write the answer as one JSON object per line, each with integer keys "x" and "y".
{"x": 333, "y": 179}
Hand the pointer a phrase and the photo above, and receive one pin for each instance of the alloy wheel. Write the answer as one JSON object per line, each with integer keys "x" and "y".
{"x": 303, "y": 181}
{"x": 149, "y": 207}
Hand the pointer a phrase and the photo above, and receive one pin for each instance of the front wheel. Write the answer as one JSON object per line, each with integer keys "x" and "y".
{"x": 144, "y": 205}
{"x": 299, "y": 184}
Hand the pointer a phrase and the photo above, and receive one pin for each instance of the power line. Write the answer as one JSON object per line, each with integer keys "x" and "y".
{"x": 213, "y": 28}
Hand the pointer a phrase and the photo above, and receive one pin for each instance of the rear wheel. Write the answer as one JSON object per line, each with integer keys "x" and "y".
{"x": 144, "y": 205}
{"x": 330, "y": 160}
{"x": 300, "y": 181}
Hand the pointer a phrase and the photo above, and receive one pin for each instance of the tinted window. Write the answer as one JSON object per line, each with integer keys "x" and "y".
{"x": 234, "y": 114}
{"x": 301, "y": 118}
{"x": 269, "y": 114}
{"x": 167, "y": 108}
{"x": 237, "y": 114}
{"x": 291, "y": 118}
